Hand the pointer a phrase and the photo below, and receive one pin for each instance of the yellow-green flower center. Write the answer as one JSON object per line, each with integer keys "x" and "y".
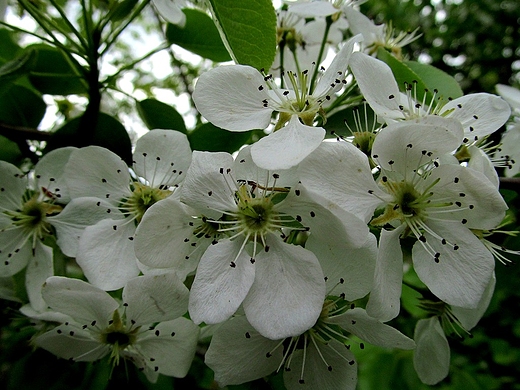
{"x": 142, "y": 198}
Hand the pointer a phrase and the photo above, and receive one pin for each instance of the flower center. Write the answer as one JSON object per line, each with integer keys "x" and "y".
{"x": 142, "y": 198}
{"x": 33, "y": 216}
{"x": 256, "y": 215}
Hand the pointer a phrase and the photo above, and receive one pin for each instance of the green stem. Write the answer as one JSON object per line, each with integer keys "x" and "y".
{"x": 328, "y": 23}
{"x": 73, "y": 29}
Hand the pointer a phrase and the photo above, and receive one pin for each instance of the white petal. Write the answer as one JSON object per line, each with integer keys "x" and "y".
{"x": 360, "y": 24}
{"x": 16, "y": 250}
{"x": 106, "y": 253}
{"x": 475, "y": 200}
{"x": 49, "y": 172}
{"x": 402, "y": 146}
{"x": 337, "y": 68}
{"x": 207, "y": 184}
{"x": 480, "y": 162}
{"x": 480, "y": 113}
{"x": 371, "y": 330}
{"x": 80, "y": 300}
{"x": 287, "y": 295}
{"x": 470, "y": 317}
{"x": 155, "y": 298}
{"x": 229, "y": 97}
{"x": 431, "y": 358}
{"x": 384, "y": 301}
{"x": 165, "y": 237}
{"x": 170, "y": 347}
{"x": 80, "y": 347}
{"x": 170, "y": 10}
{"x": 40, "y": 267}
{"x": 288, "y": 146}
{"x": 162, "y": 157}
{"x": 464, "y": 266}
{"x": 96, "y": 171}
{"x": 238, "y": 353}
{"x": 340, "y": 172}
{"x": 12, "y": 186}
{"x": 509, "y": 147}
{"x": 510, "y": 94}
{"x": 219, "y": 288}
{"x": 315, "y": 366}
{"x": 326, "y": 221}
{"x": 78, "y": 215}
{"x": 377, "y": 84}
{"x": 347, "y": 271}
{"x": 245, "y": 169}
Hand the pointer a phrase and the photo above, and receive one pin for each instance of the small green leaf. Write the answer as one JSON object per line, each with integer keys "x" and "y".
{"x": 9, "y": 151}
{"x": 159, "y": 115}
{"x": 109, "y": 133}
{"x": 435, "y": 78}
{"x": 121, "y": 9}
{"x": 9, "y": 49}
{"x": 199, "y": 35}
{"x": 248, "y": 29}
{"x": 210, "y": 138}
{"x": 21, "y": 106}
{"x": 53, "y": 73}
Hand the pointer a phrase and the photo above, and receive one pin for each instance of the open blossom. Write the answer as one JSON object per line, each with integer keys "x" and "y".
{"x": 438, "y": 204}
{"x": 255, "y": 261}
{"x": 319, "y": 358}
{"x": 240, "y": 98}
{"x": 36, "y": 206}
{"x": 376, "y": 36}
{"x": 480, "y": 114}
{"x": 106, "y": 249}
{"x": 145, "y": 328}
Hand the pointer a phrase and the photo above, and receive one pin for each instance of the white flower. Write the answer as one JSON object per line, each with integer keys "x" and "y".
{"x": 432, "y": 355}
{"x": 240, "y": 98}
{"x": 146, "y": 328}
{"x": 313, "y": 8}
{"x": 320, "y": 358}
{"x": 33, "y": 209}
{"x": 436, "y": 204}
{"x": 376, "y": 36}
{"x": 480, "y": 114}
{"x": 261, "y": 217}
{"x": 106, "y": 249}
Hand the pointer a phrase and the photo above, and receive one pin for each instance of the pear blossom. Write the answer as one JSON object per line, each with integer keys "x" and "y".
{"x": 432, "y": 354}
{"x": 261, "y": 217}
{"x": 376, "y": 36}
{"x": 145, "y": 328}
{"x": 240, "y": 98}
{"x": 35, "y": 209}
{"x": 511, "y": 137}
{"x": 480, "y": 114}
{"x": 319, "y": 358}
{"x": 106, "y": 249}
{"x": 438, "y": 204}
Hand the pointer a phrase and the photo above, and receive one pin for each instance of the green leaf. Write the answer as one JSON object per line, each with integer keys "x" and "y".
{"x": 18, "y": 67}
{"x": 435, "y": 78}
{"x": 210, "y": 138}
{"x": 9, "y": 151}
{"x": 109, "y": 133}
{"x": 54, "y": 74}
{"x": 159, "y": 115}
{"x": 248, "y": 29}
{"x": 9, "y": 49}
{"x": 21, "y": 106}
{"x": 199, "y": 35}
{"x": 121, "y": 9}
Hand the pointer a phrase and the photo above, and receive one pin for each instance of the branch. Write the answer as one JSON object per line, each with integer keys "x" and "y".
{"x": 510, "y": 183}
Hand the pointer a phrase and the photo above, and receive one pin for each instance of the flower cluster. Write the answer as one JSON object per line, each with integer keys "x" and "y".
{"x": 291, "y": 253}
